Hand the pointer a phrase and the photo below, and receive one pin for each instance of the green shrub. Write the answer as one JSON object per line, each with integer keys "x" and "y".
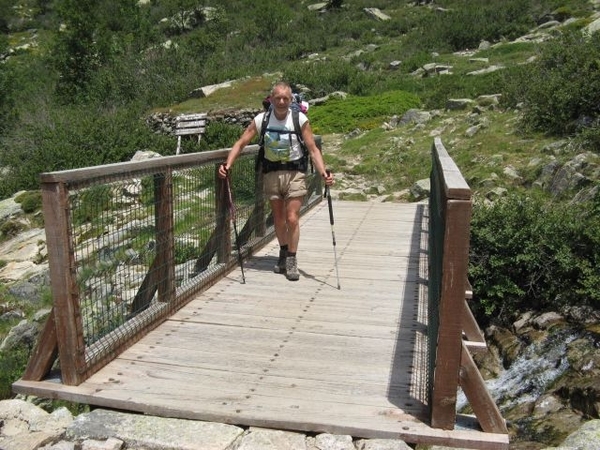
{"x": 326, "y": 77}
{"x": 561, "y": 90}
{"x": 220, "y": 135}
{"x": 528, "y": 254}
{"x": 31, "y": 201}
{"x": 13, "y": 365}
{"x": 343, "y": 115}
{"x": 11, "y": 228}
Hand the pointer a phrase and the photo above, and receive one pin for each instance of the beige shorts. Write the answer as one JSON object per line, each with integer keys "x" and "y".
{"x": 284, "y": 184}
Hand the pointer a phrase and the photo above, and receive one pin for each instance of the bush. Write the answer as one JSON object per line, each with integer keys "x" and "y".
{"x": 31, "y": 201}
{"x": 527, "y": 254}
{"x": 13, "y": 365}
{"x": 561, "y": 90}
{"x": 340, "y": 116}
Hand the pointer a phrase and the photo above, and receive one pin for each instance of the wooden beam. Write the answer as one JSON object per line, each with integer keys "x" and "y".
{"x": 65, "y": 291}
{"x": 448, "y": 356}
{"x": 45, "y": 352}
{"x": 147, "y": 289}
{"x": 476, "y": 347}
{"x": 470, "y": 326}
{"x": 479, "y": 398}
{"x": 165, "y": 239}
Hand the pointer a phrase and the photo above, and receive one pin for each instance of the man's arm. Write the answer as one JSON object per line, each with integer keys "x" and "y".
{"x": 315, "y": 153}
{"x": 237, "y": 148}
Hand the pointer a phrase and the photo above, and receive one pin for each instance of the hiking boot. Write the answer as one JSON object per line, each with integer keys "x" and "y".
{"x": 280, "y": 266}
{"x": 291, "y": 269}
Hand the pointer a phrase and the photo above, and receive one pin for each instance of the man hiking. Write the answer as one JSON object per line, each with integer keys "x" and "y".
{"x": 284, "y": 163}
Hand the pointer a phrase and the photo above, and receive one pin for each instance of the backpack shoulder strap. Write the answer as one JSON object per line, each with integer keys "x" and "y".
{"x": 298, "y": 131}
{"x": 297, "y": 128}
{"x": 263, "y": 126}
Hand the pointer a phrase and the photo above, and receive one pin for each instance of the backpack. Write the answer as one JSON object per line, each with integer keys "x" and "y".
{"x": 268, "y": 166}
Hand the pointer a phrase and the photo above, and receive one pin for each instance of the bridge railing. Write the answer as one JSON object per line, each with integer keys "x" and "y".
{"x": 453, "y": 332}
{"x": 130, "y": 243}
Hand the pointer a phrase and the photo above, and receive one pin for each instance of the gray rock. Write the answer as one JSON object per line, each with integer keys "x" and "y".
{"x": 24, "y": 335}
{"x": 9, "y": 207}
{"x": 420, "y": 190}
{"x": 587, "y": 437}
{"x": 377, "y": 14}
{"x": 415, "y": 116}
{"x": 454, "y": 104}
{"x": 152, "y": 432}
{"x": 327, "y": 441}
{"x": 381, "y": 444}
{"x": 264, "y": 439}
{"x": 593, "y": 27}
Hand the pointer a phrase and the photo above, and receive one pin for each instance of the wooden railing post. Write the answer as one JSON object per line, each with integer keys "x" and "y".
{"x": 65, "y": 292}
{"x": 449, "y": 313}
{"x": 451, "y": 303}
{"x": 165, "y": 239}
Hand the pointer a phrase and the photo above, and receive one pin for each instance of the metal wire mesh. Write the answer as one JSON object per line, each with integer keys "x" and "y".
{"x": 137, "y": 240}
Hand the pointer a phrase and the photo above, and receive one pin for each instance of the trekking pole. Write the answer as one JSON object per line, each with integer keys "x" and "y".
{"x": 331, "y": 221}
{"x": 235, "y": 231}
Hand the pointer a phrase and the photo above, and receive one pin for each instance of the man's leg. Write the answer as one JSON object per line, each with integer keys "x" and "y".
{"x": 292, "y": 211}
{"x": 293, "y": 206}
{"x": 279, "y": 221}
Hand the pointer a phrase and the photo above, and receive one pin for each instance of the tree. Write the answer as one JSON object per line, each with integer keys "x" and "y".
{"x": 75, "y": 53}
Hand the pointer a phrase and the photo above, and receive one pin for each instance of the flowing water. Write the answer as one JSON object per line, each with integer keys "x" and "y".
{"x": 530, "y": 374}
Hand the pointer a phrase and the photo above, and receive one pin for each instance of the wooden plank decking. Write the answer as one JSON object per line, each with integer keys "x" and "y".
{"x": 297, "y": 355}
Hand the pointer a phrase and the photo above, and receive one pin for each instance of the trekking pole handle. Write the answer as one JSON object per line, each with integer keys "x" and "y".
{"x": 329, "y": 204}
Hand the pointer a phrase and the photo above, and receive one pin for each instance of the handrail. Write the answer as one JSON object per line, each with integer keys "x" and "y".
{"x": 450, "y": 363}
{"x": 449, "y": 216}
{"x": 130, "y": 243}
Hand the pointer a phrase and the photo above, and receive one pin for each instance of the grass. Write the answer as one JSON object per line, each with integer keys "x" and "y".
{"x": 246, "y": 93}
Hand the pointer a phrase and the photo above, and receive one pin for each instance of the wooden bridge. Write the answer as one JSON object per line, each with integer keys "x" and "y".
{"x": 192, "y": 336}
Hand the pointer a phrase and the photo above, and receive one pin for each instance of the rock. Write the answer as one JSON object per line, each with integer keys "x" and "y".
{"x": 490, "y": 69}
{"x": 415, "y": 116}
{"x": 29, "y": 290}
{"x": 395, "y": 65}
{"x": 327, "y": 441}
{"x": 381, "y": 444}
{"x": 488, "y": 100}
{"x": 9, "y": 207}
{"x": 143, "y": 155}
{"x": 318, "y": 6}
{"x": 512, "y": 173}
{"x": 205, "y": 91}
{"x": 420, "y": 190}
{"x": 436, "y": 69}
{"x": 507, "y": 343}
{"x": 151, "y": 431}
{"x": 377, "y": 14}
{"x": 472, "y": 131}
{"x": 28, "y": 427}
{"x": 586, "y": 437}
{"x": 24, "y": 335}
{"x": 547, "y": 404}
{"x": 496, "y": 193}
{"x": 593, "y": 27}
{"x": 547, "y": 320}
{"x": 454, "y": 104}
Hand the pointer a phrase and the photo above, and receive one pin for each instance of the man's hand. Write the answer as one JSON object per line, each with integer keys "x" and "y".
{"x": 223, "y": 171}
{"x": 328, "y": 177}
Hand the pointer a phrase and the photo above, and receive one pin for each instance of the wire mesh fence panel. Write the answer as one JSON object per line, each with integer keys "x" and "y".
{"x": 143, "y": 237}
